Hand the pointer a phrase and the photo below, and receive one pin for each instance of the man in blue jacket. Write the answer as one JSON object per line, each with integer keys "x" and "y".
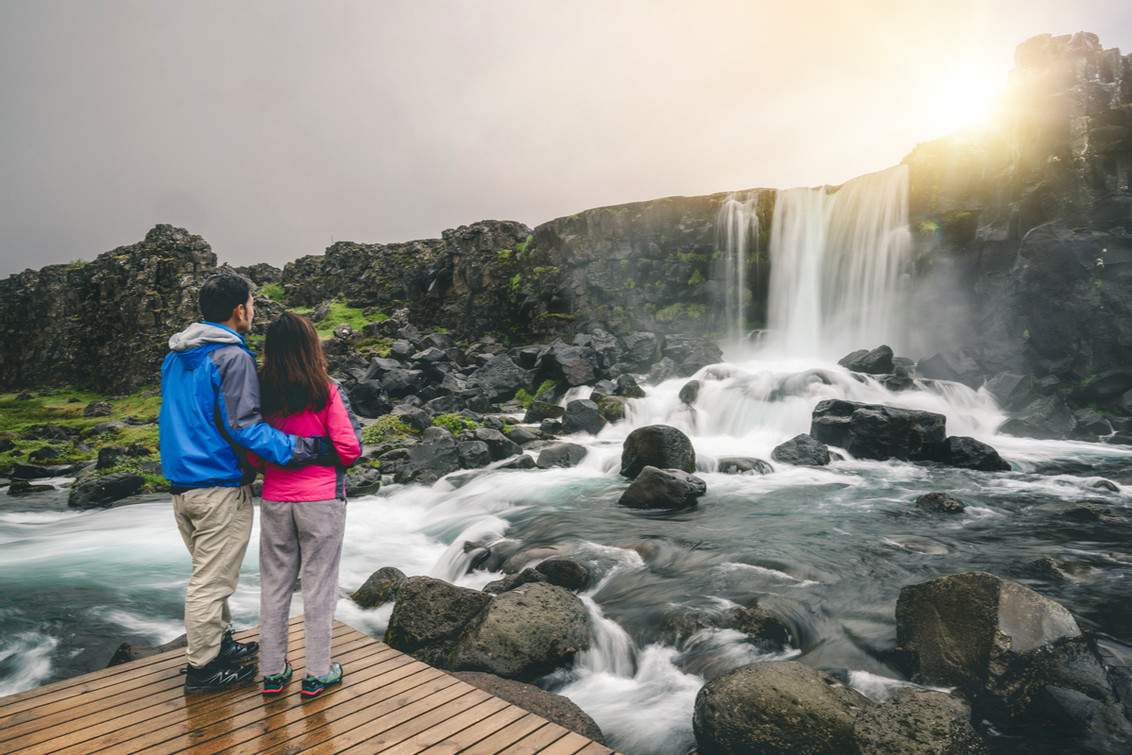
{"x": 209, "y": 416}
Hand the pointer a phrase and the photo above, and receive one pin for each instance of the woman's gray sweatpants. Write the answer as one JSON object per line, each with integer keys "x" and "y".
{"x": 299, "y": 538}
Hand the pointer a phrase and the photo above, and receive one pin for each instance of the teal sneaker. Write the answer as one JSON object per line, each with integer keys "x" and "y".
{"x": 314, "y": 685}
{"x": 273, "y": 683}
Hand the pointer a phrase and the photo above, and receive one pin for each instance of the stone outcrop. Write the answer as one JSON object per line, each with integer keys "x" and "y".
{"x": 761, "y": 707}
{"x": 1025, "y": 227}
{"x": 104, "y": 323}
{"x": 1019, "y": 658}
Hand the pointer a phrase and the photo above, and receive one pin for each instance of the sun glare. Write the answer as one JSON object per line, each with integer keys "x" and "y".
{"x": 961, "y": 101}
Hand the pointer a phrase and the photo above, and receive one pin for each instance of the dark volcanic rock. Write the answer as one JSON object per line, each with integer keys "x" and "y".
{"x": 429, "y": 616}
{"x": 874, "y": 431}
{"x": 525, "y": 633}
{"x": 583, "y": 416}
{"x": 918, "y": 722}
{"x": 105, "y": 490}
{"x": 663, "y": 489}
{"x": 564, "y": 572}
{"x": 1020, "y": 658}
{"x": 761, "y": 708}
{"x": 875, "y": 362}
{"x": 802, "y": 450}
{"x": 940, "y": 503}
{"x": 660, "y": 446}
{"x": 380, "y": 587}
{"x": 561, "y": 455}
{"x": 969, "y": 453}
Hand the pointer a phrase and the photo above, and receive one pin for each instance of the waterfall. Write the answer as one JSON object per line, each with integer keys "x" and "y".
{"x": 736, "y": 231}
{"x": 840, "y": 263}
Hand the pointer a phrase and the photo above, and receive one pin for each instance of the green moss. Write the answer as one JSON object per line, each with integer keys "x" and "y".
{"x": 273, "y": 291}
{"x": 696, "y": 278}
{"x": 454, "y": 423}
{"x": 64, "y": 408}
{"x": 76, "y": 264}
{"x": 503, "y": 255}
{"x": 386, "y": 427}
{"x": 521, "y": 247}
{"x": 681, "y": 311}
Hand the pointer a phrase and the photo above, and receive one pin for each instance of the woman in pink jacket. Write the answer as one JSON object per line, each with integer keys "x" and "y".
{"x": 303, "y": 515}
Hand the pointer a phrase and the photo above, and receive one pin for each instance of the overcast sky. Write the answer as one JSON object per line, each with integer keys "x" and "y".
{"x": 274, "y": 128}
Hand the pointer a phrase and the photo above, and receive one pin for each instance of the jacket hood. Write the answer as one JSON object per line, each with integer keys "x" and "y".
{"x": 187, "y": 344}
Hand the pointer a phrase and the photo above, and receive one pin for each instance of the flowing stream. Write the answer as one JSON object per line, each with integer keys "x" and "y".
{"x": 826, "y": 548}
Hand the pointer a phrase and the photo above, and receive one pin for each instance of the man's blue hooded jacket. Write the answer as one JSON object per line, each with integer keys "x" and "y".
{"x": 210, "y": 412}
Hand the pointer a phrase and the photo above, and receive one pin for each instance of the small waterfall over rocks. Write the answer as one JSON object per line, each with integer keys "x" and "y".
{"x": 737, "y": 233}
{"x": 840, "y": 264}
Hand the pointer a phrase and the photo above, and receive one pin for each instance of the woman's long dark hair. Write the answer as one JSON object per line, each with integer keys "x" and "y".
{"x": 294, "y": 375}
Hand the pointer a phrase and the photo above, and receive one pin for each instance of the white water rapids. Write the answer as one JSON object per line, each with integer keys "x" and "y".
{"x": 826, "y": 548}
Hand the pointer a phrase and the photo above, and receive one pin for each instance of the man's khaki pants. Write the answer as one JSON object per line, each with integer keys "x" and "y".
{"x": 215, "y": 524}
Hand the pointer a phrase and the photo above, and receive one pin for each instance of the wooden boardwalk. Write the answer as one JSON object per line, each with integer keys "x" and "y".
{"x": 387, "y": 703}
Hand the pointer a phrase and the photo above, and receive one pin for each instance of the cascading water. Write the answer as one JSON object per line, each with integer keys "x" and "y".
{"x": 736, "y": 232}
{"x": 839, "y": 267}
{"x": 825, "y": 549}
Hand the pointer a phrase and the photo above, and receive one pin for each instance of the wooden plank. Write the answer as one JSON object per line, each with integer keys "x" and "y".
{"x": 455, "y": 741}
{"x": 103, "y": 716}
{"x": 437, "y": 713}
{"x": 568, "y": 745}
{"x": 100, "y": 681}
{"x": 315, "y": 720}
{"x": 277, "y": 712}
{"x": 537, "y": 741}
{"x": 388, "y": 703}
{"x": 433, "y": 728}
{"x": 188, "y": 724}
{"x": 370, "y": 722}
{"x": 498, "y": 741}
{"x": 109, "y": 704}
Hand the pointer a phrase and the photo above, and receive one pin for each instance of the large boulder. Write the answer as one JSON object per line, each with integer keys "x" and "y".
{"x": 964, "y": 630}
{"x": 429, "y": 617}
{"x": 876, "y": 431}
{"x": 573, "y": 365}
{"x": 802, "y": 450}
{"x": 1018, "y": 657}
{"x": 102, "y": 491}
{"x": 663, "y": 489}
{"x": 1047, "y": 417}
{"x": 498, "y": 445}
{"x": 380, "y": 588}
{"x": 658, "y": 446}
{"x": 776, "y": 707}
{"x": 555, "y": 708}
{"x": 918, "y": 722}
{"x": 561, "y": 455}
{"x": 525, "y": 633}
{"x": 499, "y": 378}
{"x": 424, "y": 463}
{"x": 969, "y": 453}
{"x": 875, "y": 362}
{"x": 583, "y": 416}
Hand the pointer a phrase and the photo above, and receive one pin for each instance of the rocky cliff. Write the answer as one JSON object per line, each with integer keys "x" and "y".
{"x": 103, "y": 323}
{"x": 1025, "y": 226}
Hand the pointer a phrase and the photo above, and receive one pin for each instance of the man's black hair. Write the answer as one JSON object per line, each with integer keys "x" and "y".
{"x": 221, "y": 294}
